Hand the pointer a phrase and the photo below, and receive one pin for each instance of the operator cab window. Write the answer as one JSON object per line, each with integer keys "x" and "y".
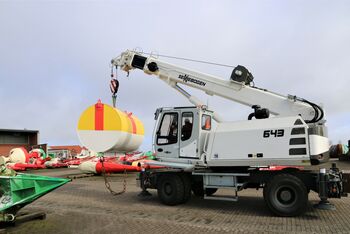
{"x": 186, "y": 126}
{"x": 206, "y": 122}
{"x": 168, "y": 129}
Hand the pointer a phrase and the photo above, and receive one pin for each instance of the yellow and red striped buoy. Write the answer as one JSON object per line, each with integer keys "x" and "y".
{"x": 103, "y": 128}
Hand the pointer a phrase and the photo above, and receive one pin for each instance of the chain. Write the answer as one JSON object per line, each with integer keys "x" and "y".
{"x": 108, "y": 185}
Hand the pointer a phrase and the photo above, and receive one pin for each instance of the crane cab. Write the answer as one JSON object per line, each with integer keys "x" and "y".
{"x": 180, "y": 133}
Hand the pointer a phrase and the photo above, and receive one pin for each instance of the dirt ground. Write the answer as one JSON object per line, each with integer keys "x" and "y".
{"x": 85, "y": 206}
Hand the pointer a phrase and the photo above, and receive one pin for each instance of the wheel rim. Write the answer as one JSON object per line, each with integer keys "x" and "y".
{"x": 286, "y": 196}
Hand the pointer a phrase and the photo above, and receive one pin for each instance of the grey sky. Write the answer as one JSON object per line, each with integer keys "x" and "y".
{"x": 54, "y": 56}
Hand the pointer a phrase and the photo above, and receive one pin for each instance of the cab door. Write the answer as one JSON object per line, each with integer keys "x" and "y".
{"x": 167, "y": 135}
{"x": 189, "y": 133}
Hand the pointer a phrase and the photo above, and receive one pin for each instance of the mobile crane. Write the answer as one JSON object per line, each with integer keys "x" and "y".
{"x": 270, "y": 152}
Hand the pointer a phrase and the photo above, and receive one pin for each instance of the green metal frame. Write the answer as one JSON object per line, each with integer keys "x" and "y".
{"x": 22, "y": 189}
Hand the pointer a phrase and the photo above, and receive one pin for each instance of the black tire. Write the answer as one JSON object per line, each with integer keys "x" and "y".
{"x": 171, "y": 189}
{"x": 286, "y": 195}
{"x": 186, "y": 180}
{"x": 197, "y": 189}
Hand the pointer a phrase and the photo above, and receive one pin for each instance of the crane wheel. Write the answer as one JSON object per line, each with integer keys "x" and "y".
{"x": 171, "y": 189}
{"x": 286, "y": 195}
{"x": 186, "y": 180}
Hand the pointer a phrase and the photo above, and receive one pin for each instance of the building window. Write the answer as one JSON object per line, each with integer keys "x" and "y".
{"x": 13, "y": 138}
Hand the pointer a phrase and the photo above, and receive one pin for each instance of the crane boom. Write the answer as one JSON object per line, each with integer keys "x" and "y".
{"x": 232, "y": 90}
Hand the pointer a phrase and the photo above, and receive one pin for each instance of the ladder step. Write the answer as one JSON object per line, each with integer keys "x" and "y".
{"x": 226, "y": 187}
{"x": 222, "y": 198}
{"x": 219, "y": 187}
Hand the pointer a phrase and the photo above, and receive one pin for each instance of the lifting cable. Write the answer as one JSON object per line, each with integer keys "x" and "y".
{"x": 190, "y": 60}
{"x": 114, "y": 86}
{"x": 108, "y": 185}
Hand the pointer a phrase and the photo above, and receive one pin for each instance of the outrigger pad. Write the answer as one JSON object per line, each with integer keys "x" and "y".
{"x": 324, "y": 205}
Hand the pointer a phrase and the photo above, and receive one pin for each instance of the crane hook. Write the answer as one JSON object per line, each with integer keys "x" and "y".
{"x": 114, "y": 86}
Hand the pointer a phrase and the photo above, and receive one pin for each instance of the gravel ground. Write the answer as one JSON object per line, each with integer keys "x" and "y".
{"x": 85, "y": 206}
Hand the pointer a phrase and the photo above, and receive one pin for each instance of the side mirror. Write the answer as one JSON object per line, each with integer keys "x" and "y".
{"x": 156, "y": 114}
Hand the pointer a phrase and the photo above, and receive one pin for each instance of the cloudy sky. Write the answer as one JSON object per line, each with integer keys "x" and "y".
{"x": 55, "y": 55}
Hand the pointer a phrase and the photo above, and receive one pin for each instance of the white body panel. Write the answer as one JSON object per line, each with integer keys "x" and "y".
{"x": 243, "y": 143}
{"x": 318, "y": 144}
{"x": 189, "y": 150}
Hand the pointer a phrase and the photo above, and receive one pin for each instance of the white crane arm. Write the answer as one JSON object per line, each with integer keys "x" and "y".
{"x": 247, "y": 95}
